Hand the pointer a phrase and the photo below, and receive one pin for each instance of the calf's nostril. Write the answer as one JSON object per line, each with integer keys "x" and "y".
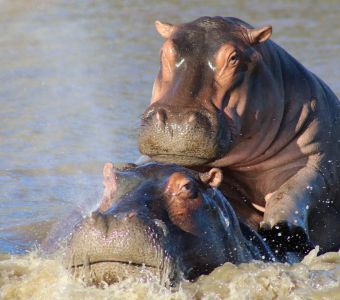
{"x": 98, "y": 221}
{"x": 192, "y": 117}
{"x": 131, "y": 214}
{"x": 161, "y": 116}
{"x": 91, "y": 220}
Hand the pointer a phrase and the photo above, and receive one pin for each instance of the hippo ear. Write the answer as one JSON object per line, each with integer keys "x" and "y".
{"x": 108, "y": 171}
{"x": 164, "y": 29}
{"x": 260, "y": 35}
{"x": 110, "y": 187}
{"x": 214, "y": 177}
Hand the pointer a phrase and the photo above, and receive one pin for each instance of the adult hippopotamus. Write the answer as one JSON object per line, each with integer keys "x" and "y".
{"x": 226, "y": 96}
{"x": 165, "y": 219}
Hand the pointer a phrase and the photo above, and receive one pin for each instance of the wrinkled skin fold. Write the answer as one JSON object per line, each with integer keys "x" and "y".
{"x": 164, "y": 220}
{"x": 227, "y": 96}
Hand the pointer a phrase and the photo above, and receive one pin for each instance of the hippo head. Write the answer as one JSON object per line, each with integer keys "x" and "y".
{"x": 197, "y": 106}
{"x": 165, "y": 219}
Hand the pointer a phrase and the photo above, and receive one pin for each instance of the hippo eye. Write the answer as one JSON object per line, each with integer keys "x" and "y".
{"x": 186, "y": 187}
{"x": 189, "y": 189}
{"x": 233, "y": 59}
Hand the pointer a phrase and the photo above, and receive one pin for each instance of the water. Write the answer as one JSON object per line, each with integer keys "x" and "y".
{"x": 75, "y": 78}
{"x": 32, "y": 277}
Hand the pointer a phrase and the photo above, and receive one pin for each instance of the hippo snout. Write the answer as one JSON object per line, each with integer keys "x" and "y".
{"x": 114, "y": 247}
{"x": 189, "y": 136}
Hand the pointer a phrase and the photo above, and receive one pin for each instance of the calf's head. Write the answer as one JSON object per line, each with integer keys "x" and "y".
{"x": 160, "y": 218}
{"x": 192, "y": 118}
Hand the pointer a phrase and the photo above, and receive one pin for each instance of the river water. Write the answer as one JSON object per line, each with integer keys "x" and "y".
{"x": 75, "y": 77}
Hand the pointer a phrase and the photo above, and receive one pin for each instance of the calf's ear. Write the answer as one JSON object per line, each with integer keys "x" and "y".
{"x": 213, "y": 178}
{"x": 164, "y": 29}
{"x": 260, "y": 35}
{"x": 110, "y": 187}
{"x": 108, "y": 171}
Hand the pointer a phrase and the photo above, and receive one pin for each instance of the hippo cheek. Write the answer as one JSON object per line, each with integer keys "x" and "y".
{"x": 187, "y": 138}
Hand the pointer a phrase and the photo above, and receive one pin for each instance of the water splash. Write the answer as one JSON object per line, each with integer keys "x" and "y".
{"x": 316, "y": 277}
{"x": 83, "y": 206}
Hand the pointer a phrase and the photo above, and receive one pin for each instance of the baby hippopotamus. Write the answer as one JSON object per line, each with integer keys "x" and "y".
{"x": 227, "y": 96}
{"x": 164, "y": 218}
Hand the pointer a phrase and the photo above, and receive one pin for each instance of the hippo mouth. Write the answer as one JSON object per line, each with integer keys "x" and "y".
{"x": 112, "y": 271}
{"x": 185, "y": 152}
{"x": 115, "y": 262}
{"x": 181, "y": 159}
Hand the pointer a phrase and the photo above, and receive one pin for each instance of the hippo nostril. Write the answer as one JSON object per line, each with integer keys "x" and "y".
{"x": 99, "y": 221}
{"x": 161, "y": 116}
{"x": 192, "y": 117}
{"x": 91, "y": 220}
{"x": 148, "y": 114}
{"x": 131, "y": 214}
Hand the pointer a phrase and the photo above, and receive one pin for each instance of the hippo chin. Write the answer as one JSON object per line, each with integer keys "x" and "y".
{"x": 228, "y": 97}
{"x": 161, "y": 219}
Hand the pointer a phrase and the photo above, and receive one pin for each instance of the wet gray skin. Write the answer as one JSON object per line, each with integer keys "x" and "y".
{"x": 140, "y": 232}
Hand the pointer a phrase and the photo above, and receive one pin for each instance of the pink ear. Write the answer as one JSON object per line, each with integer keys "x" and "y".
{"x": 214, "y": 177}
{"x": 260, "y": 35}
{"x": 108, "y": 171}
{"x": 110, "y": 187}
{"x": 164, "y": 29}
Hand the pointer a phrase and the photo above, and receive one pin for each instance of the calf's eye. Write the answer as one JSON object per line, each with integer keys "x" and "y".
{"x": 186, "y": 187}
{"x": 234, "y": 59}
{"x": 189, "y": 189}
